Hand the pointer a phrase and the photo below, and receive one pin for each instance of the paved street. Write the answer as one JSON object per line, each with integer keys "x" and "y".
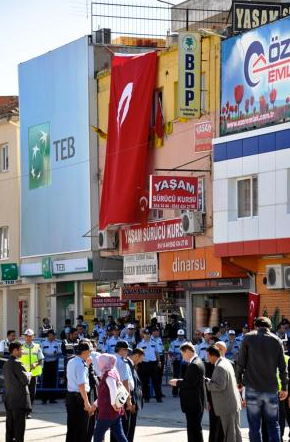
{"x": 157, "y": 422}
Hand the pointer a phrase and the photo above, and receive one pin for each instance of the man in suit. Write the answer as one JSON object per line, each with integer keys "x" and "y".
{"x": 225, "y": 395}
{"x": 17, "y": 398}
{"x": 192, "y": 392}
{"x": 133, "y": 360}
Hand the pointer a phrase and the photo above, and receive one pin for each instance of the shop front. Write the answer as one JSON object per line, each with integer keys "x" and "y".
{"x": 214, "y": 289}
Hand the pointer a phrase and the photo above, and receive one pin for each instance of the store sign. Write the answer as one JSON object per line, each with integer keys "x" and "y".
{"x": 9, "y": 272}
{"x": 174, "y": 192}
{"x": 228, "y": 284}
{"x": 203, "y": 136}
{"x": 247, "y": 15}
{"x": 189, "y": 73}
{"x": 141, "y": 293}
{"x": 256, "y": 78}
{"x": 71, "y": 266}
{"x": 105, "y": 302}
{"x": 31, "y": 269}
{"x": 47, "y": 267}
{"x": 140, "y": 268}
{"x": 155, "y": 237}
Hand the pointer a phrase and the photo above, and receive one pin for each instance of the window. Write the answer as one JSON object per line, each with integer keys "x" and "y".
{"x": 4, "y": 160}
{"x": 156, "y": 214}
{"x": 4, "y": 249}
{"x": 247, "y": 197}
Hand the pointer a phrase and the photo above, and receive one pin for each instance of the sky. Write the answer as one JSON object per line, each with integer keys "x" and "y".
{"x": 29, "y": 28}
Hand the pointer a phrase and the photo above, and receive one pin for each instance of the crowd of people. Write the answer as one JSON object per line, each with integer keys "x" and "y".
{"x": 112, "y": 370}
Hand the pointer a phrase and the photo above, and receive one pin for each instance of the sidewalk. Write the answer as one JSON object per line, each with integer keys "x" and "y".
{"x": 156, "y": 423}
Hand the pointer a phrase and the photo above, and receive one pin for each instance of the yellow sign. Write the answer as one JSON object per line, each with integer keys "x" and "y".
{"x": 189, "y": 49}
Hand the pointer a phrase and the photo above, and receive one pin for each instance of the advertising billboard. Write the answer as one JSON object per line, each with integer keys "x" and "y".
{"x": 256, "y": 78}
{"x": 173, "y": 192}
{"x": 54, "y": 130}
{"x": 189, "y": 72}
{"x": 140, "y": 268}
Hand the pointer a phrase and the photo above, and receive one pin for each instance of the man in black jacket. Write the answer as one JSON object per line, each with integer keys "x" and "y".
{"x": 192, "y": 392}
{"x": 261, "y": 355}
{"x": 133, "y": 360}
{"x": 17, "y": 398}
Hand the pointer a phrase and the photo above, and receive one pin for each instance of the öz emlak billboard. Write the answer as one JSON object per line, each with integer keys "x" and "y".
{"x": 256, "y": 78}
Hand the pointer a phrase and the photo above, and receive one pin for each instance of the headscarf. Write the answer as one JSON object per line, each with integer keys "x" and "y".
{"x": 107, "y": 363}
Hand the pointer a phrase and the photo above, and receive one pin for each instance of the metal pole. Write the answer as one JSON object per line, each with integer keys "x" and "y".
{"x": 187, "y": 18}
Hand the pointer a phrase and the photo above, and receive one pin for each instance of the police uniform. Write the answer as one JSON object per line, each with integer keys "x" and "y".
{"x": 68, "y": 347}
{"x": 131, "y": 341}
{"x": 77, "y": 417}
{"x": 160, "y": 349}
{"x": 224, "y": 338}
{"x": 201, "y": 351}
{"x": 30, "y": 355}
{"x": 179, "y": 367}
{"x": 4, "y": 348}
{"x": 149, "y": 369}
{"x": 51, "y": 351}
{"x": 232, "y": 348}
{"x": 111, "y": 344}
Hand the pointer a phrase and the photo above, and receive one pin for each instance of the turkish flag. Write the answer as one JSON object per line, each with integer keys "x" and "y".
{"x": 132, "y": 85}
{"x": 159, "y": 129}
{"x": 253, "y": 308}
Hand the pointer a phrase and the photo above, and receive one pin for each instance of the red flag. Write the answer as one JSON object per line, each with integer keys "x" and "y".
{"x": 159, "y": 129}
{"x": 132, "y": 86}
{"x": 253, "y": 308}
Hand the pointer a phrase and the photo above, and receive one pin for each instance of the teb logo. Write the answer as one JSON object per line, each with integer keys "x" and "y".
{"x": 39, "y": 155}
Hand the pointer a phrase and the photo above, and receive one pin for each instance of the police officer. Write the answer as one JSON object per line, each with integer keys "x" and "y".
{"x": 51, "y": 351}
{"x": 149, "y": 366}
{"x": 201, "y": 350}
{"x": 155, "y": 336}
{"x": 129, "y": 336}
{"x": 232, "y": 347}
{"x": 46, "y": 326}
{"x": 240, "y": 338}
{"x": 96, "y": 343}
{"x": 112, "y": 341}
{"x": 32, "y": 359}
{"x": 102, "y": 332}
{"x": 4, "y": 345}
{"x": 68, "y": 346}
{"x": 80, "y": 321}
{"x": 179, "y": 367}
{"x": 223, "y": 334}
{"x": 77, "y": 402}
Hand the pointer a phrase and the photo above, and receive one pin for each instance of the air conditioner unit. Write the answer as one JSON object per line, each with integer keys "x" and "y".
{"x": 287, "y": 277}
{"x": 192, "y": 222}
{"x": 107, "y": 239}
{"x": 103, "y": 36}
{"x": 275, "y": 277}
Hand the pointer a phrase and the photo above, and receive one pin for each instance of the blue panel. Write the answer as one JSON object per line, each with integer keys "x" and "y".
{"x": 267, "y": 143}
{"x": 235, "y": 149}
{"x": 220, "y": 152}
{"x": 283, "y": 139}
{"x": 250, "y": 146}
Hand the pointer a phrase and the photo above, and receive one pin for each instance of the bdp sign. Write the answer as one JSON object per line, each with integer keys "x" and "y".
{"x": 173, "y": 192}
{"x": 256, "y": 78}
{"x": 189, "y": 50}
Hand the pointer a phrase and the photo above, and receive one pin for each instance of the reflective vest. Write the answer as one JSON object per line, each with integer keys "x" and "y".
{"x": 29, "y": 357}
{"x": 278, "y": 375}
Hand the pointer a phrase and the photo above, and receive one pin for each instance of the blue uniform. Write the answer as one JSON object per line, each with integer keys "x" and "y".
{"x": 233, "y": 352}
{"x": 201, "y": 350}
{"x": 224, "y": 338}
{"x": 150, "y": 349}
{"x": 159, "y": 344}
{"x": 50, "y": 350}
{"x": 111, "y": 344}
{"x": 174, "y": 349}
{"x": 131, "y": 340}
{"x": 77, "y": 373}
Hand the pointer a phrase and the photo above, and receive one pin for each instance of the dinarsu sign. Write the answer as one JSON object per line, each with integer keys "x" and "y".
{"x": 249, "y": 15}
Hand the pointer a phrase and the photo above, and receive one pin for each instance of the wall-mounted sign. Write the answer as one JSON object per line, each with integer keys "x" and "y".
{"x": 226, "y": 284}
{"x": 203, "y": 136}
{"x": 173, "y": 192}
{"x": 9, "y": 272}
{"x": 47, "y": 267}
{"x": 155, "y": 237}
{"x": 81, "y": 265}
{"x": 140, "y": 268}
{"x": 138, "y": 293}
{"x": 256, "y": 78}
{"x": 99, "y": 302}
{"x": 247, "y": 15}
{"x": 189, "y": 72}
{"x": 31, "y": 269}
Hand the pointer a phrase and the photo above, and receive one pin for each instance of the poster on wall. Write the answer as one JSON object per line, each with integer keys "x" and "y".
{"x": 173, "y": 192}
{"x": 203, "y": 136}
{"x": 189, "y": 72}
{"x": 140, "y": 268}
{"x": 256, "y": 78}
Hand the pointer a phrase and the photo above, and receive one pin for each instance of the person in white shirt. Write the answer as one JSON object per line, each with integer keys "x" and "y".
{"x": 51, "y": 351}
{"x": 4, "y": 345}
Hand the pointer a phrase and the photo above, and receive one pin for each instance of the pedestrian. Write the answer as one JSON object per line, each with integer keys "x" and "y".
{"x": 51, "y": 351}
{"x": 197, "y": 337}
{"x": 4, "y": 345}
{"x": 171, "y": 328}
{"x": 225, "y": 395}
{"x": 129, "y": 335}
{"x": 69, "y": 345}
{"x": 149, "y": 367}
{"x": 155, "y": 336}
{"x": 82, "y": 334}
{"x": 260, "y": 356}
{"x": 80, "y": 321}
{"x": 233, "y": 346}
{"x": 32, "y": 359}
{"x": 202, "y": 348}
{"x": 77, "y": 403}
{"x": 109, "y": 414}
{"x": 46, "y": 326}
{"x": 17, "y": 398}
{"x": 135, "y": 358}
{"x": 178, "y": 365}
{"x": 64, "y": 334}
{"x": 223, "y": 334}
{"x": 240, "y": 337}
{"x": 111, "y": 342}
{"x": 192, "y": 392}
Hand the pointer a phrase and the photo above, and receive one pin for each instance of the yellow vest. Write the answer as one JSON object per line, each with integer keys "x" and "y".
{"x": 29, "y": 357}
{"x": 278, "y": 375}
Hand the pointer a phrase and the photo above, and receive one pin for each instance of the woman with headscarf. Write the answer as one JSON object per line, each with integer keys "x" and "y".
{"x": 109, "y": 415}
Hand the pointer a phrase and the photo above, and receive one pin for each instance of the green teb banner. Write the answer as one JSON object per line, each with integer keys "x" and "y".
{"x": 9, "y": 272}
{"x": 39, "y": 156}
{"x": 46, "y": 268}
